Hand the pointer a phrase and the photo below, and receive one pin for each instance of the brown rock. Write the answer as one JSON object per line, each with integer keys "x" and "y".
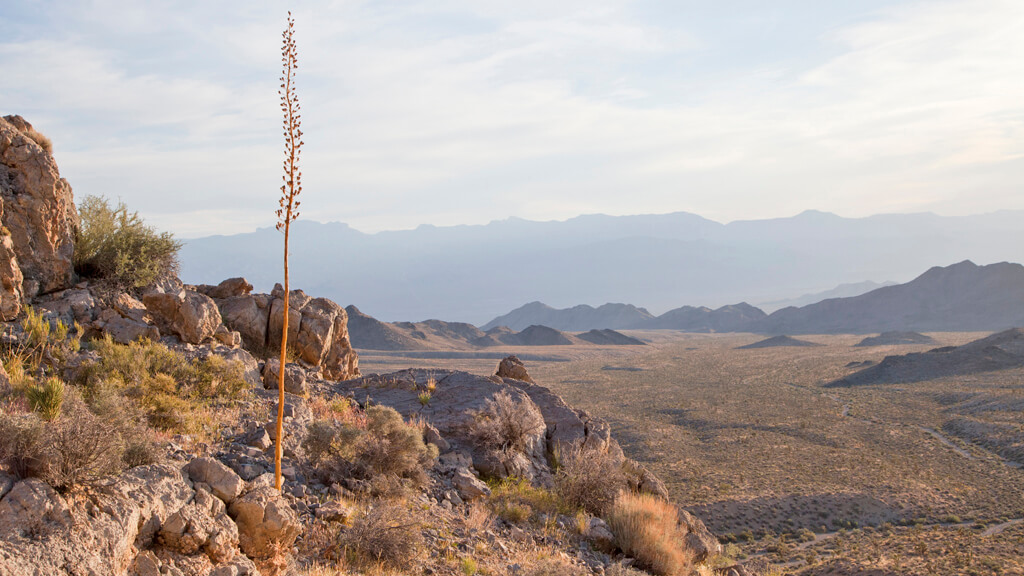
{"x": 223, "y": 481}
{"x": 469, "y": 486}
{"x": 196, "y": 528}
{"x": 38, "y": 209}
{"x": 227, "y": 337}
{"x": 265, "y": 522}
{"x": 125, "y": 330}
{"x": 512, "y": 367}
{"x": 244, "y": 315}
{"x": 294, "y": 377}
{"x": 698, "y": 537}
{"x": 194, "y": 317}
{"x": 227, "y": 289}
{"x": 129, "y": 307}
{"x": 10, "y": 278}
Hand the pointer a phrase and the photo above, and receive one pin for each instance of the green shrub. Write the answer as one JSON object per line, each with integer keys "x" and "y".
{"x": 115, "y": 245}
{"x": 46, "y": 398}
{"x": 515, "y": 500}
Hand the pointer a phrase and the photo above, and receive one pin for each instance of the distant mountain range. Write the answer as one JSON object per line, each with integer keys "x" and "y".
{"x": 368, "y": 333}
{"x": 960, "y": 297}
{"x": 473, "y": 273}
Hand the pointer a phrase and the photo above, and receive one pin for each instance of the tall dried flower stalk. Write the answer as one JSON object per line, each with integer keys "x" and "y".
{"x": 289, "y": 205}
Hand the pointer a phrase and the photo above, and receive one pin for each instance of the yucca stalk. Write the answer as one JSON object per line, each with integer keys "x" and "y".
{"x": 288, "y": 209}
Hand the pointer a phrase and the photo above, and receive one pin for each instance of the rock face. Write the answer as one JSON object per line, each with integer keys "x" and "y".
{"x": 191, "y": 315}
{"x": 317, "y": 327}
{"x": 38, "y": 212}
{"x": 11, "y": 279}
{"x": 460, "y": 397}
{"x": 265, "y": 522}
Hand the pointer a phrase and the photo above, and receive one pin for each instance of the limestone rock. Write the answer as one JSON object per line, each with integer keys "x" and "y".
{"x": 698, "y": 537}
{"x": 223, "y": 481}
{"x": 38, "y": 209}
{"x": 201, "y": 527}
{"x": 125, "y": 330}
{"x": 29, "y": 503}
{"x": 244, "y": 315}
{"x": 294, "y": 377}
{"x": 469, "y": 486}
{"x": 265, "y": 522}
{"x": 11, "y": 279}
{"x": 227, "y": 337}
{"x": 600, "y": 534}
{"x": 335, "y": 511}
{"x": 512, "y": 367}
{"x": 227, "y": 289}
{"x": 194, "y": 317}
{"x": 5, "y": 387}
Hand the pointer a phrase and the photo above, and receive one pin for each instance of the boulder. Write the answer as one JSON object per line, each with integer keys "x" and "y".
{"x": 202, "y": 526}
{"x": 250, "y": 368}
{"x": 698, "y": 537}
{"x": 227, "y": 337}
{"x": 469, "y": 486}
{"x": 129, "y": 307}
{"x": 194, "y": 317}
{"x": 229, "y": 288}
{"x": 265, "y": 522}
{"x": 11, "y": 278}
{"x": 29, "y": 504}
{"x": 38, "y": 210}
{"x": 125, "y": 330}
{"x": 5, "y": 385}
{"x": 247, "y": 315}
{"x": 335, "y": 511}
{"x": 512, "y": 367}
{"x": 223, "y": 481}
{"x": 600, "y": 534}
{"x": 294, "y": 377}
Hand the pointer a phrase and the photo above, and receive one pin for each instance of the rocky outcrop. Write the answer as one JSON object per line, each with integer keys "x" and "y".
{"x": 11, "y": 279}
{"x": 317, "y": 327}
{"x": 39, "y": 213}
{"x": 512, "y": 367}
{"x": 265, "y": 522}
{"x": 192, "y": 316}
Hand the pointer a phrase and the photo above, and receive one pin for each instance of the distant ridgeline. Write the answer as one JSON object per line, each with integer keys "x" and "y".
{"x": 960, "y": 297}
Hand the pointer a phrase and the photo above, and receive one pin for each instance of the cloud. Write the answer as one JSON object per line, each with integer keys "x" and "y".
{"x": 455, "y": 111}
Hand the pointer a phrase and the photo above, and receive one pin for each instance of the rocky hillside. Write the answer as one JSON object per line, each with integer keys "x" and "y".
{"x": 137, "y": 433}
{"x": 962, "y": 297}
{"x": 996, "y": 352}
{"x": 368, "y": 333}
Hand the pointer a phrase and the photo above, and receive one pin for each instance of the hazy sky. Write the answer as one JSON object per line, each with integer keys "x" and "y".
{"x": 449, "y": 111}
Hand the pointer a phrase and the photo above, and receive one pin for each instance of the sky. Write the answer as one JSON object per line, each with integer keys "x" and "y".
{"x": 450, "y": 112}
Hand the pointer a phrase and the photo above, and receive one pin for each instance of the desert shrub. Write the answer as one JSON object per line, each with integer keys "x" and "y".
{"x": 173, "y": 392}
{"x": 139, "y": 450}
{"x": 22, "y": 444}
{"x": 619, "y": 569}
{"x": 507, "y": 423}
{"x": 46, "y": 398}
{"x": 39, "y": 138}
{"x": 647, "y": 528}
{"x": 46, "y": 341}
{"x": 589, "y": 479}
{"x": 71, "y": 451}
{"x": 515, "y": 500}
{"x": 382, "y": 445}
{"x": 80, "y": 449}
{"x": 387, "y": 534}
{"x": 116, "y": 246}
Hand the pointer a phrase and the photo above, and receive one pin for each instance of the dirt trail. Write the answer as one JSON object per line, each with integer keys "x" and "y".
{"x": 946, "y": 441}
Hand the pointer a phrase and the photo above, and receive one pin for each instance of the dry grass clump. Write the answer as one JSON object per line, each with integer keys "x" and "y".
{"x": 116, "y": 246}
{"x": 39, "y": 138}
{"x": 507, "y": 423}
{"x": 386, "y": 535}
{"x": 517, "y": 501}
{"x": 647, "y": 528}
{"x": 378, "y": 447}
{"x": 554, "y": 566}
{"x": 589, "y": 479}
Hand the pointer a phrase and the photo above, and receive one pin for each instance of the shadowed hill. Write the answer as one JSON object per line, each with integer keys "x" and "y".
{"x": 776, "y": 341}
{"x": 896, "y": 338}
{"x": 996, "y": 352}
{"x": 575, "y": 319}
{"x": 609, "y": 337}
